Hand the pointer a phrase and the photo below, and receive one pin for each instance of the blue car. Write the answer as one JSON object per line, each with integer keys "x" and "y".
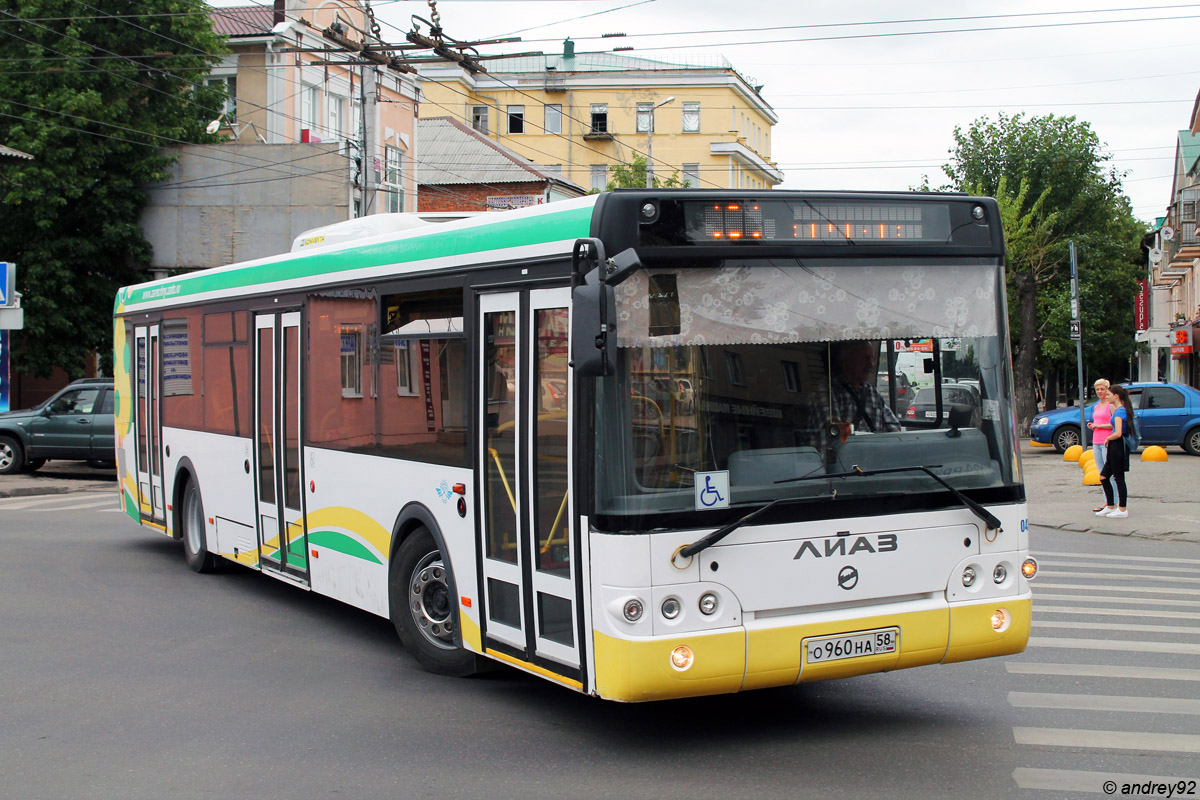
{"x": 1167, "y": 414}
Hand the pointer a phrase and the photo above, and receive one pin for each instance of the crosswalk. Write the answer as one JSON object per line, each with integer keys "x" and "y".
{"x": 1114, "y": 644}
{"x": 100, "y": 502}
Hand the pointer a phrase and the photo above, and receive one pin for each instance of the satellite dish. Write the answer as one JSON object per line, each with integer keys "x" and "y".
{"x": 1155, "y": 256}
{"x": 1168, "y": 233}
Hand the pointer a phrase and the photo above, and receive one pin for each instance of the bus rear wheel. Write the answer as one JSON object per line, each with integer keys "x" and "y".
{"x": 423, "y": 609}
{"x": 191, "y": 521}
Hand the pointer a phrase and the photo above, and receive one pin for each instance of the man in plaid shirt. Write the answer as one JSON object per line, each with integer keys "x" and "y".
{"x": 854, "y": 399}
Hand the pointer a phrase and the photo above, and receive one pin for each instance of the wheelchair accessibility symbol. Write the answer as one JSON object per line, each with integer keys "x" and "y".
{"x": 712, "y": 490}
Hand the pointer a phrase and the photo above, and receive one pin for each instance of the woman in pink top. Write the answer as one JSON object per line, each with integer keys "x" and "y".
{"x": 1101, "y": 424}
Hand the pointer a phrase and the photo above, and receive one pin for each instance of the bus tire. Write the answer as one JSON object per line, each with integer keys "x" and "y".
{"x": 191, "y": 524}
{"x": 423, "y": 609}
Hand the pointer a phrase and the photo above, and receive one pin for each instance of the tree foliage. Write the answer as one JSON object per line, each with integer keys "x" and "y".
{"x": 632, "y": 175}
{"x": 92, "y": 92}
{"x": 1055, "y": 185}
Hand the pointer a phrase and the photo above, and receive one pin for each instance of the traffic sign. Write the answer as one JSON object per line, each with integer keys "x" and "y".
{"x": 1075, "y": 330}
{"x": 8, "y": 283}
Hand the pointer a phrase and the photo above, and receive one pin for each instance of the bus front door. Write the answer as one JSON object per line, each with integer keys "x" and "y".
{"x": 530, "y": 565}
{"x": 282, "y": 539}
{"x": 147, "y": 425}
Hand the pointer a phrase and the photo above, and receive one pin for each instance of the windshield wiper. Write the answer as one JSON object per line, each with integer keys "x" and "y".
{"x": 988, "y": 518}
{"x": 720, "y": 533}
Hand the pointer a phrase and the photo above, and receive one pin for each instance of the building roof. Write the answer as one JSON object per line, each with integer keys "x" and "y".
{"x": 1189, "y": 149}
{"x": 602, "y": 62}
{"x": 10, "y": 156}
{"x": 242, "y": 20}
{"x": 453, "y": 153}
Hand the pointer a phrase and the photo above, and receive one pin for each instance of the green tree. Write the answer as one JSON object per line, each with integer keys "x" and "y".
{"x": 92, "y": 92}
{"x": 632, "y": 175}
{"x": 1055, "y": 184}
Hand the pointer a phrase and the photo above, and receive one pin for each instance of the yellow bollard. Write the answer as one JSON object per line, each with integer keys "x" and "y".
{"x": 1032, "y": 443}
{"x": 1073, "y": 453}
{"x": 1088, "y": 457}
{"x": 1091, "y": 476}
{"x": 1154, "y": 453}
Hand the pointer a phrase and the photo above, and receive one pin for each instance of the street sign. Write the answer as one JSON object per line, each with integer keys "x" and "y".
{"x": 8, "y": 283}
{"x": 1075, "y": 330}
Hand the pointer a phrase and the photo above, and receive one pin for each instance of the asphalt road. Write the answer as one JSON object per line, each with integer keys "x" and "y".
{"x": 125, "y": 675}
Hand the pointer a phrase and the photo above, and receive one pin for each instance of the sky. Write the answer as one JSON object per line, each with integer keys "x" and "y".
{"x": 861, "y": 105}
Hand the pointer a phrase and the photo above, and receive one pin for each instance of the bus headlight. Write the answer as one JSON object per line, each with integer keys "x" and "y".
{"x": 708, "y": 604}
{"x": 1000, "y": 573}
{"x": 633, "y": 609}
{"x": 682, "y": 657}
{"x": 671, "y": 608}
{"x": 1029, "y": 568}
{"x": 1000, "y": 620}
{"x": 968, "y": 576}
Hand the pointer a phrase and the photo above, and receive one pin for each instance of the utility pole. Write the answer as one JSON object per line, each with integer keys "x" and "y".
{"x": 1077, "y": 335}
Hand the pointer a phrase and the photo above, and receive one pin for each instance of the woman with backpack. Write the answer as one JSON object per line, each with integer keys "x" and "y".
{"x": 1118, "y": 446}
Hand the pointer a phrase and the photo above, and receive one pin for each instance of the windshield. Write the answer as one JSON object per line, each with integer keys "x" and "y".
{"x": 733, "y": 378}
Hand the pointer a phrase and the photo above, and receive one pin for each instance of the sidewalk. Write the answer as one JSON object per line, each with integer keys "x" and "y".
{"x": 58, "y": 477}
{"x": 1164, "y": 496}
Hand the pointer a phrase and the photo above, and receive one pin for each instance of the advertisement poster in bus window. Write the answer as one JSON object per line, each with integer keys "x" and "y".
{"x": 4, "y": 379}
{"x": 176, "y": 358}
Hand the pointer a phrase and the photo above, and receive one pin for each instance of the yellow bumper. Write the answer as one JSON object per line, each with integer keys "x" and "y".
{"x": 732, "y": 660}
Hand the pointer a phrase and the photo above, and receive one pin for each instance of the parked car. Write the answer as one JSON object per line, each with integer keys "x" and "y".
{"x": 904, "y": 391}
{"x": 923, "y": 409}
{"x": 1166, "y": 414}
{"x": 76, "y": 424}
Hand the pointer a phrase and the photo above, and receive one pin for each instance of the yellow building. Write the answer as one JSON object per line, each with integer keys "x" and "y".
{"x": 582, "y": 113}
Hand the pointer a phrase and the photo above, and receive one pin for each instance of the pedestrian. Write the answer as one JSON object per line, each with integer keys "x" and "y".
{"x": 1100, "y": 426}
{"x": 1116, "y": 460}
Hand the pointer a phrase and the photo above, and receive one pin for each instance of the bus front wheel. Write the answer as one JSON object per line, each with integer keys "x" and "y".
{"x": 423, "y": 608}
{"x": 191, "y": 521}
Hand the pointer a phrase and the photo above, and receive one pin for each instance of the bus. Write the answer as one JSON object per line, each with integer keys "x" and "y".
{"x": 600, "y": 440}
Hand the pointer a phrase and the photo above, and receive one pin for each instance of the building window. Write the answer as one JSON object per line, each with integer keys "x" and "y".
{"x": 479, "y": 119}
{"x": 310, "y": 103}
{"x": 229, "y": 84}
{"x": 352, "y": 360}
{"x": 599, "y": 177}
{"x": 645, "y": 117}
{"x": 516, "y": 119}
{"x": 691, "y": 175}
{"x": 791, "y": 375}
{"x": 404, "y": 370}
{"x": 600, "y": 118}
{"x": 393, "y": 179}
{"x": 554, "y": 119}
{"x": 336, "y": 116}
{"x": 691, "y": 117}
{"x": 733, "y": 362}
{"x": 355, "y": 120}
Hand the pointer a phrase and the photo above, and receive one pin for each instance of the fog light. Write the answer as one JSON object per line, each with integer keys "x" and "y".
{"x": 670, "y": 608}
{"x": 968, "y": 576}
{"x": 682, "y": 658}
{"x": 1000, "y": 620}
{"x": 1000, "y": 573}
{"x": 633, "y": 610}
{"x": 708, "y": 604}
{"x": 1029, "y": 568}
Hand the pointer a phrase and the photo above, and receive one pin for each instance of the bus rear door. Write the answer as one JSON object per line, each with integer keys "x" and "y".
{"x": 148, "y": 425}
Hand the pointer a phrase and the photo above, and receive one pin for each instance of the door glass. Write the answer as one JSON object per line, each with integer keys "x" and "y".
{"x": 291, "y": 418}
{"x": 500, "y": 442}
{"x": 79, "y": 401}
{"x": 155, "y": 466}
{"x": 550, "y": 440}
{"x": 266, "y": 432}
{"x": 142, "y": 422}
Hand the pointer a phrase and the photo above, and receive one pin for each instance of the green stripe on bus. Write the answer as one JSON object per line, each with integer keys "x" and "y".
{"x": 342, "y": 544}
{"x": 524, "y": 232}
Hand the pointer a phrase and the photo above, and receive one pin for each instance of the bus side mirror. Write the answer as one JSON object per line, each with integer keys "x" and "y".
{"x": 593, "y": 335}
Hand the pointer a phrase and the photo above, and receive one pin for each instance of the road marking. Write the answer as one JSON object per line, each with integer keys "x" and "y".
{"x": 1049, "y": 608}
{"x": 1074, "y": 780}
{"x": 18, "y": 504}
{"x": 1189, "y": 630}
{"x": 1108, "y": 589}
{"x": 1104, "y": 702}
{"x": 1109, "y": 740}
{"x": 108, "y": 501}
{"x": 1115, "y": 577}
{"x": 1102, "y": 671}
{"x": 1111, "y": 644}
{"x": 1113, "y": 557}
{"x": 1100, "y": 565}
{"x": 1141, "y": 601}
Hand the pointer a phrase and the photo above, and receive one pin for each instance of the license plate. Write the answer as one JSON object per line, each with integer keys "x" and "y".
{"x": 930, "y": 415}
{"x": 853, "y": 645}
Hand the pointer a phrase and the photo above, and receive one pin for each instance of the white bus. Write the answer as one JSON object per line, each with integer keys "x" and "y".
{"x": 600, "y": 441}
